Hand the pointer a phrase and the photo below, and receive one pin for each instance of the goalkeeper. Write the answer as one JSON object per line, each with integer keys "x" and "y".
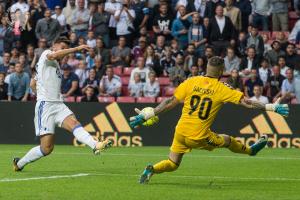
{"x": 203, "y": 96}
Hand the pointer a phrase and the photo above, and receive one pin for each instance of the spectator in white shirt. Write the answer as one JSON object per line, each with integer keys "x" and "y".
{"x": 82, "y": 72}
{"x": 257, "y": 90}
{"x": 282, "y": 65}
{"x": 288, "y": 86}
{"x": 111, "y": 6}
{"x": 68, "y": 11}
{"x": 110, "y": 85}
{"x": 264, "y": 71}
{"x": 124, "y": 18}
{"x": 151, "y": 89}
{"x": 61, "y": 19}
{"x": 136, "y": 88}
{"x": 20, "y": 5}
{"x": 91, "y": 41}
{"x": 141, "y": 69}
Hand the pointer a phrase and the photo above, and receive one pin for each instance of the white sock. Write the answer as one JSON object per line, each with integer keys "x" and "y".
{"x": 84, "y": 137}
{"x": 34, "y": 154}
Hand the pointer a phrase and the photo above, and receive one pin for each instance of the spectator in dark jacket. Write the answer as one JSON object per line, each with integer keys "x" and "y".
{"x": 221, "y": 32}
{"x": 3, "y": 87}
{"x": 100, "y": 23}
{"x": 246, "y": 9}
{"x": 250, "y": 62}
{"x": 89, "y": 95}
{"x": 292, "y": 59}
{"x": 273, "y": 54}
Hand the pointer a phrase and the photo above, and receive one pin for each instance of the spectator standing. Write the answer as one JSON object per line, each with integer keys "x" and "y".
{"x": 151, "y": 89}
{"x": 18, "y": 87}
{"x": 111, "y": 6}
{"x": 120, "y": 55}
{"x": 234, "y": 14}
{"x": 231, "y": 61}
{"x": 20, "y": 5}
{"x": 273, "y": 54}
{"x": 141, "y": 12}
{"x": 162, "y": 22}
{"x": 59, "y": 16}
{"x": 89, "y": 95}
{"x": 253, "y": 81}
{"x": 125, "y": 17}
{"x": 135, "y": 88}
{"x": 140, "y": 69}
{"x": 80, "y": 19}
{"x": 197, "y": 34}
{"x": 280, "y": 15}
{"x": 3, "y": 87}
{"x": 246, "y": 10}
{"x": 235, "y": 80}
{"x": 176, "y": 73}
{"x": 274, "y": 83}
{"x": 47, "y": 28}
{"x": 68, "y": 11}
{"x": 221, "y": 31}
{"x": 257, "y": 91}
{"x": 110, "y": 85}
{"x": 69, "y": 82}
{"x": 261, "y": 10}
{"x": 100, "y": 24}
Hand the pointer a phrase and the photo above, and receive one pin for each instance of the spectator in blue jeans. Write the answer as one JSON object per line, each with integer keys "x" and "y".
{"x": 261, "y": 10}
{"x": 18, "y": 87}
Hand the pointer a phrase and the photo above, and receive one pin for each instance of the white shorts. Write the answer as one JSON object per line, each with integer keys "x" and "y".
{"x": 48, "y": 115}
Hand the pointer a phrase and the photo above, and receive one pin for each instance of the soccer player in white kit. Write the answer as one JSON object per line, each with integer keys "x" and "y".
{"x": 50, "y": 111}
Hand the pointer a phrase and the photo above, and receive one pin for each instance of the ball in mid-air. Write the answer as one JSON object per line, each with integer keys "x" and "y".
{"x": 152, "y": 120}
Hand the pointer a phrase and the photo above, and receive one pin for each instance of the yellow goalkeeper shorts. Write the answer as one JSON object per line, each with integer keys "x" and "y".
{"x": 182, "y": 144}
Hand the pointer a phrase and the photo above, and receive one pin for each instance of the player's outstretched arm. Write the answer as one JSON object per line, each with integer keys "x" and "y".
{"x": 148, "y": 113}
{"x": 282, "y": 109}
{"x": 62, "y": 53}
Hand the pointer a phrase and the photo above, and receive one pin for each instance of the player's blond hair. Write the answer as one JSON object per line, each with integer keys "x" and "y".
{"x": 215, "y": 66}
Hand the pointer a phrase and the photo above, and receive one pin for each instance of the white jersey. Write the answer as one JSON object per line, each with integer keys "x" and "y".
{"x": 48, "y": 79}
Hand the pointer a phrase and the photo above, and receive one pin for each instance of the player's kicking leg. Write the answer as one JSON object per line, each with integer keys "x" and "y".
{"x": 163, "y": 166}
{"x": 72, "y": 125}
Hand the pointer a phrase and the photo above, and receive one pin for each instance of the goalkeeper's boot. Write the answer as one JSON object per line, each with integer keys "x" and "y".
{"x": 259, "y": 145}
{"x": 147, "y": 174}
{"x": 15, "y": 166}
{"x": 102, "y": 146}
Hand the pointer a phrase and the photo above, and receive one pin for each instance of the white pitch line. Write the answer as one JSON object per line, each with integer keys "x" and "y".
{"x": 42, "y": 178}
{"x": 209, "y": 177}
{"x": 161, "y": 155}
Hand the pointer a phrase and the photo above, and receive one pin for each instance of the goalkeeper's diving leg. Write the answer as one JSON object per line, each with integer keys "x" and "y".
{"x": 221, "y": 141}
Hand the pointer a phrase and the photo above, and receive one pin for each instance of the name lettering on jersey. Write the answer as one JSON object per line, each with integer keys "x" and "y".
{"x": 203, "y": 90}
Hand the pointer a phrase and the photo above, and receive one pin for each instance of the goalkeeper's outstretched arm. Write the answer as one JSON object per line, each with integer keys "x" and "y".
{"x": 282, "y": 109}
{"x": 166, "y": 105}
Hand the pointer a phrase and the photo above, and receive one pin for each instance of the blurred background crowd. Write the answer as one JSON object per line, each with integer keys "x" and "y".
{"x": 140, "y": 50}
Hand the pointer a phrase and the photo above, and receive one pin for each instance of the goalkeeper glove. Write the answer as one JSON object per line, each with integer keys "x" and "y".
{"x": 143, "y": 115}
{"x": 282, "y": 109}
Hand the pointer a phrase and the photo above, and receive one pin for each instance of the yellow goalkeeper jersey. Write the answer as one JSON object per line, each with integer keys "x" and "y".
{"x": 202, "y": 97}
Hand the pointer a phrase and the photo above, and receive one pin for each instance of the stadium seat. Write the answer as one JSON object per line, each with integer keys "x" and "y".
{"x": 274, "y": 34}
{"x": 118, "y": 70}
{"x": 127, "y": 71}
{"x": 169, "y": 91}
{"x": 125, "y": 80}
{"x": 268, "y": 33}
{"x": 160, "y": 99}
{"x": 78, "y": 99}
{"x": 69, "y": 99}
{"x": 125, "y": 91}
{"x": 164, "y": 81}
{"x": 145, "y": 100}
{"x": 106, "y": 99}
{"x": 125, "y": 99}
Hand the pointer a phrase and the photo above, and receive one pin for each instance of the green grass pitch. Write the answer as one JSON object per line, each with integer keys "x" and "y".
{"x": 75, "y": 173}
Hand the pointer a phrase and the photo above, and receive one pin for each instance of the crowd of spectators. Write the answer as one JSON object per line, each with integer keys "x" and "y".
{"x": 141, "y": 50}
